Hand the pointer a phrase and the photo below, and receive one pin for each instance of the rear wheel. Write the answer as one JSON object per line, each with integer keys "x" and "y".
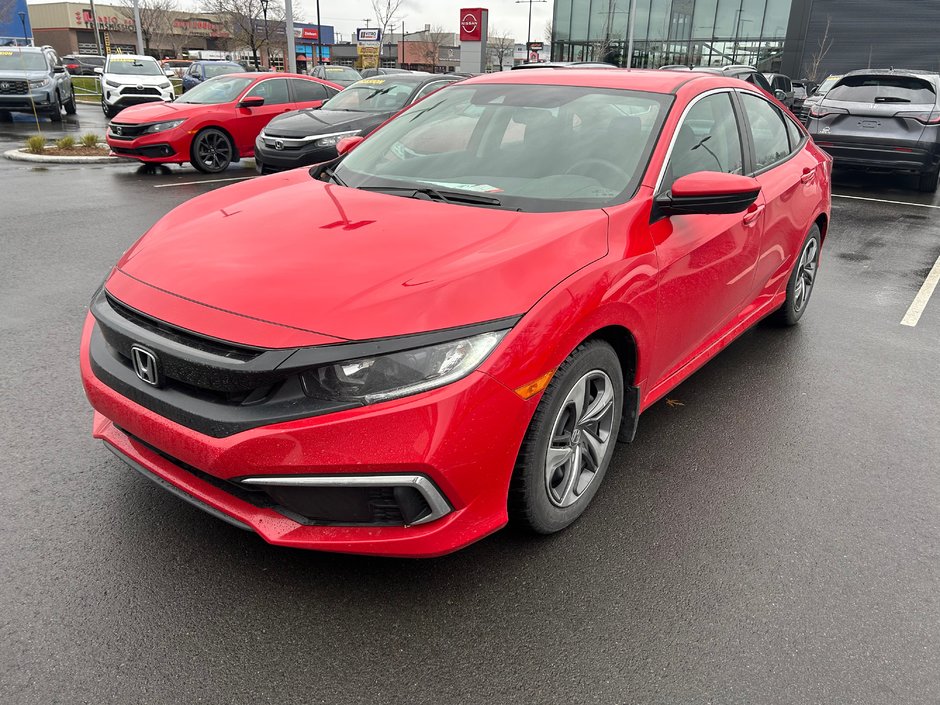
{"x": 212, "y": 151}
{"x": 927, "y": 183}
{"x": 570, "y": 441}
{"x": 802, "y": 280}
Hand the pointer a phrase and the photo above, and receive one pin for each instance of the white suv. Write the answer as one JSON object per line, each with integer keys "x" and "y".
{"x": 129, "y": 79}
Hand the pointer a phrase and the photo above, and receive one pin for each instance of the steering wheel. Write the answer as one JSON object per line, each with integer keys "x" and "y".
{"x": 597, "y": 162}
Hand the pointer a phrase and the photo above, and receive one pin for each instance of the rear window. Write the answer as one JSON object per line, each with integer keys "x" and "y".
{"x": 883, "y": 89}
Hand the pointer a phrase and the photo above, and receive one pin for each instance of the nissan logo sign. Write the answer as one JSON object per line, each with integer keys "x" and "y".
{"x": 468, "y": 23}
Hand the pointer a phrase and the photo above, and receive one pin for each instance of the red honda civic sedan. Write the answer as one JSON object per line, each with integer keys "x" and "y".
{"x": 455, "y": 323}
{"x": 215, "y": 123}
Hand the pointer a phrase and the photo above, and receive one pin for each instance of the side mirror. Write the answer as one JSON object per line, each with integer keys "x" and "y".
{"x": 58, "y": 69}
{"x": 255, "y": 101}
{"x": 780, "y": 95}
{"x": 708, "y": 193}
{"x": 348, "y": 144}
{"x": 99, "y": 70}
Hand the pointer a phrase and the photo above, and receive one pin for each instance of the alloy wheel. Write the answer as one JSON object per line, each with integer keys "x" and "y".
{"x": 580, "y": 439}
{"x": 806, "y": 274}
{"x": 214, "y": 151}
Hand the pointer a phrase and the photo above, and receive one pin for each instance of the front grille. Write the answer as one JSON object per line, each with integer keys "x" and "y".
{"x": 14, "y": 87}
{"x": 125, "y": 131}
{"x": 140, "y": 90}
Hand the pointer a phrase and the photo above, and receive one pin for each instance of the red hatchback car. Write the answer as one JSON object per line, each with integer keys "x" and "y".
{"x": 215, "y": 123}
{"x": 453, "y": 324}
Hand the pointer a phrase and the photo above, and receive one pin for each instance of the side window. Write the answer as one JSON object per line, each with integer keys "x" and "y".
{"x": 273, "y": 90}
{"x": 429, "y": 89}
{"x": 768, "y": 131}
{"x": 793, "y": 132}
{"x": 307, "y": 91}
{"x": 708, "y": 140}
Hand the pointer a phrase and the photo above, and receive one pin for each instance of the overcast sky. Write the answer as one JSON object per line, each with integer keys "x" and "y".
{"x": 346, "y": 15}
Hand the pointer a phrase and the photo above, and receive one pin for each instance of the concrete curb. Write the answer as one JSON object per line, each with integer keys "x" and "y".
{"x": 19, "y": 155}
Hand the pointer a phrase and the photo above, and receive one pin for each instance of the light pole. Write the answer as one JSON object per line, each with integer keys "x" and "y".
{"x": 140, "y": 41}
{"x": 267, "y": 39}
{"x": 289, "y": 31}
{"x": 319, "y": 50}
{"x": 528, "y": 37}
{"x": 23, "y": 21}
{"x": 631, "y": 26}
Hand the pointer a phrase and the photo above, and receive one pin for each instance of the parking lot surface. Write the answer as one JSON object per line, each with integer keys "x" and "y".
{"x": 772, "y": 535}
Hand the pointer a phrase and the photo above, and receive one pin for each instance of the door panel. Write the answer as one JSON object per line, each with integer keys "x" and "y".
{"x": 250, "y": 121}
{"x": 706, "y": 262}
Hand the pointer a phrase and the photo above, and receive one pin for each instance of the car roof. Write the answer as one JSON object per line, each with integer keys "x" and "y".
{"x": 212, "y": 61}
{"x": 892, "y": 72}
{"x": 565, "y": 65}
{"x": 409, "y": 78}
{"x": 651, "y": 80}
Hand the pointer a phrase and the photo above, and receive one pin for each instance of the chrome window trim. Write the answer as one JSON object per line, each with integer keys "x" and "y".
{"x": 675, "y": 134}
{"x": 436, "y": 501}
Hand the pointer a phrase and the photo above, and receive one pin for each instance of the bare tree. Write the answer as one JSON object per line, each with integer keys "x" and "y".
{"x": 156, "y": 18}
{"x": 433, "y": 40}
{"x": 385, "y": 10}
{"x": 245, "y": 21}
{"x": 501, "y": 46}
{"x": 548, "y": 32}
{"x": 813, "y": 67}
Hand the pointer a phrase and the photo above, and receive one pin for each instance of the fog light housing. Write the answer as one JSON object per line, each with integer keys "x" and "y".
{"x": 370, "y": 500}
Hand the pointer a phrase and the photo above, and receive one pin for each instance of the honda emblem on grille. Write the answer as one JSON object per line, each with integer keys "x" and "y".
{"x": 278, "y": 144}
{"x": 145, "y": 365}
{"x": 116, "y": 129}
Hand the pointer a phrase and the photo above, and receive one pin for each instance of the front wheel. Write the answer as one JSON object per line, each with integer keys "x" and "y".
{"x": 212, "y": 151}
{"x": 570, "y": 441}
{"x": 802, "y": 280}
{"x": 70, "y": 107}
{"x": 55, "y": 112}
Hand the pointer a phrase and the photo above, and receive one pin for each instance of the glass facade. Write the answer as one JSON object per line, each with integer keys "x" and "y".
{"x": 691, "y": 32}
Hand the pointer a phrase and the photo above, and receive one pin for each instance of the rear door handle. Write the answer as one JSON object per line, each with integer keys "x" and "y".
{"x": 752, "y": 215}
{"x": 808, "y": 175}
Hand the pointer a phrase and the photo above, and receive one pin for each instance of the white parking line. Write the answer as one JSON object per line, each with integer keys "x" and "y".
{"x": 923, "y": 296}
{"x": 206, "y": 181}
{"x": 883, "y": 200}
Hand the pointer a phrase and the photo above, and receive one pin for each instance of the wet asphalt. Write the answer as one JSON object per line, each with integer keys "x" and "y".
{"x": 772, "y": 535}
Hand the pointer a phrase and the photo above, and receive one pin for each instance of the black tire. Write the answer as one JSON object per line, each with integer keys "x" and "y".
{"x": 536, "y": 494}
{"x": 69, "y": 105}
{"x": 55, "y": 112}
{"x": 212, "y": 151}
{"x": 928, "y": 180}
{"x": 108, "y": 113}
{"x": 794, "y": 306}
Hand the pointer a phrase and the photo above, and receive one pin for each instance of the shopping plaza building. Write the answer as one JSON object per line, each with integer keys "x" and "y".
{"x": 784, "y": 36}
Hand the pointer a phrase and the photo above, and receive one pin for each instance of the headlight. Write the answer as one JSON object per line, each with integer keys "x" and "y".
{"x": 331, "y": 140}
{"x": 161, "y": 126}
{"x": 374, "y": 379}
{"x": 39, "y": 83}
{"x": 113, "y": 84}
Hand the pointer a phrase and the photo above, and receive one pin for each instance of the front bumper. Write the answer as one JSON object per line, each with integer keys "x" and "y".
{"x": 269, "y": 159}
{"x": 463, "y": 438}
{"x": 170, "y": 146}
{"x": 121, "y": 98}
{"x": 41, "y": 98}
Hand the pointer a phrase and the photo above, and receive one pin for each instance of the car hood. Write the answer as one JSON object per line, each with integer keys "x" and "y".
{"x": 158, "y": 111}
{"x": 135, "y": 80}
{"x": 316, "y": 262}
{"x": 302, "y": 123}
{"x": 13, "y": 75}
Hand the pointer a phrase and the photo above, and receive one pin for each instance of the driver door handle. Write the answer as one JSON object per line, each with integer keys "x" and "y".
{"x": 753, "y": 213}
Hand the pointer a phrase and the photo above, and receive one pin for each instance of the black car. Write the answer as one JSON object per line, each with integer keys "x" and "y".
{"x": 883, "y": 120}
{"x": 82, "y": 64}
{"x": 340, "y": 75}
{"x": 369, "y": 73}
{"x": 309, "y": 136}
{"x": 781, "y": 85}
{"x": 745, "y": 73}
{"x": 564, "y": 65}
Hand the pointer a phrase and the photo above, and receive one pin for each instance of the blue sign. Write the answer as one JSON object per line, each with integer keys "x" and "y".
{"x": 12, "y": 30}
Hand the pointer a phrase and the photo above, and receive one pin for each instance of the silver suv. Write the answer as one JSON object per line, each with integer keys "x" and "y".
{"x": 33, "y": 78}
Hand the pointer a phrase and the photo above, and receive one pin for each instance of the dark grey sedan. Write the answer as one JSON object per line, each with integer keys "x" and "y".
{"x": 882, "y": 120}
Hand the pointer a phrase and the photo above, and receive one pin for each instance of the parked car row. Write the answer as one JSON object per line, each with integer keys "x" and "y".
{"x": 35, "y": 78}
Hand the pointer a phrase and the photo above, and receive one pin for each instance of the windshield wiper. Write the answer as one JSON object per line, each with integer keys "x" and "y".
{"x": 891, "y": 99}
{"x": 435, "y": 195}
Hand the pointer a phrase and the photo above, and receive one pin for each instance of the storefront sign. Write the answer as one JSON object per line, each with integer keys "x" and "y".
{"x": 471, "y": 24}
{"x": 368, "y": 34}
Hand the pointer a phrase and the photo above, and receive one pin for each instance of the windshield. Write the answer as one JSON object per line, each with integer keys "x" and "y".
{"x": 341, "y": 72}
{"x": 826, "y": 85}
{"x": 22, "y": 60}
{"x": 531, "y": 148}
{"x": 883, "y": 89}
{"x": 130, "y": 66}
{"x": 213, "y": 70}
{"x": 223, "y": 89}
{"x": 378, "y": 95}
